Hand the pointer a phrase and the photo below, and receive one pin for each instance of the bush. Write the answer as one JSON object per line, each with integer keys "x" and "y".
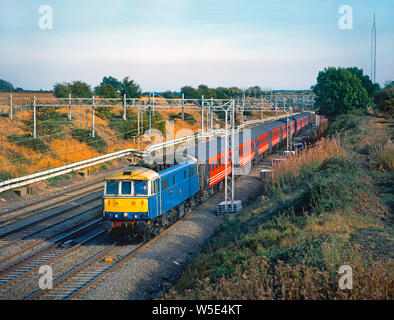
{"x": 385, "y": 157}
{"x": 348, "y": 122}
{"x": 5, "y": 176}
{"x": 104, "y": 112}
{"x": 333, "y": 186}
{"x": 85, "y": 135}
{"x": 187, "y": 116}
{"x": 49, "y": 122}
{"x": 36, "y": 144}
{"x": 385, "y": 99}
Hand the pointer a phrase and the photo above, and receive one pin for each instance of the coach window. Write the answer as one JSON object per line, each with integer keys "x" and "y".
{"x": 173, "y": 179}
{"x": 112, "y": 187}
{"x": 126, "y": 187}
{"x": 184, "y": 174}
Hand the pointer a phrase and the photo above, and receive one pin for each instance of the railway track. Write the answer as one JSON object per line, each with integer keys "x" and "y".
{"x": 76, "y": 281}
{"x": 6, "y": 208}
{"x": 27, "y": 264}
{"x": 8, "y": 217}
{"x": 14, "y": 235}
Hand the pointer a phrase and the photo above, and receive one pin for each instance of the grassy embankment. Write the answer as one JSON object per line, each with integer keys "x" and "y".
{"x": 61, "y": 142}
{"x": 330, "y": 206}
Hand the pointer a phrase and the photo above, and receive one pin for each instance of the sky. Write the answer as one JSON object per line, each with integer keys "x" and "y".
{"x": 166, "y": 44}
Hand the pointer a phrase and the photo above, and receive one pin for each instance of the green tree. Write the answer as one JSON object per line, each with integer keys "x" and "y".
{"x": 190, "y": 92}
{"x": 107, "y": 91}
{"x": 222, "y": 93}
{"x": 372, "y": 88}
{"x": 6, "y": 86}
{"x": 130, "y": 88}
{"x": 61, "y": 90}
{"x": 168, "y": 94}
{"x": 108, "y": 88}
{"x": 208, "y": 93}
{"x": 234, "y": 92}
{"x": 254, "y": 91}
{"x": 339, "y": 91}
{"x": 81, "y": 89}
{"x": 112, "y": 81}
{"x": 385, "y": 98}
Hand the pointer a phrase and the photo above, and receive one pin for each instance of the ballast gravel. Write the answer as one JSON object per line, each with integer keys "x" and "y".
{"x": 156, "y": 267}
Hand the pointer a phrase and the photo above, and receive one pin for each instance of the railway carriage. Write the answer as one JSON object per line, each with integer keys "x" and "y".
{"x": 141, "y": 202}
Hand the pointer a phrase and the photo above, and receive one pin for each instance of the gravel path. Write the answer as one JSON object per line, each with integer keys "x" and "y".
{"x": 159, "y": 264}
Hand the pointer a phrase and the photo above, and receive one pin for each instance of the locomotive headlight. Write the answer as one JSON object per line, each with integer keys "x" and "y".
{"x": 116, "y": 215}
{"x": 125, "y": 215}
{"x": 135, "y": 216}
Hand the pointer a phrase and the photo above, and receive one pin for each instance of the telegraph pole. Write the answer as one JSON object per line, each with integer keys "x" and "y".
{"x": 11, "y": 107}
{"x": 34, "y": 117}
{"x": 183, "y": 107}
{"x": 211, "y": 116}
{"x": 202, "y": 114}
{"x": 124, "y": 107}
{"x": 69, "y": 107}
{"x": 93, "y": 117}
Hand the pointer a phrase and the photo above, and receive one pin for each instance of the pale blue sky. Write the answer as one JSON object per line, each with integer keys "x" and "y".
{"x": 165, "y": 44}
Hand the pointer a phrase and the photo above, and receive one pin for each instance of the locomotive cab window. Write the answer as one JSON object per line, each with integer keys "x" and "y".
{"x": 112, "y": 187}
{"x": 154, "y": 187}
{"x": 140, "y": 187}
{"x": 126, "y": 187}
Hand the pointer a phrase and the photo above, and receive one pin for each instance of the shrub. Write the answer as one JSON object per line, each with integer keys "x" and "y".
{"x": 385, "y": 157}
{"x": 385, "y": 99}
{"x": 128, "y": 128}
{"x": 5, "y": 176}
{"x": 85, "y": 135}
{"x": 104, "y": 112}
{"x": 36, "y": 144}
{"x": 333, "y": 186}
{"x": 187, "y": 116}
{"x": 348, "y": 122}
{"x": 50, "y": 123}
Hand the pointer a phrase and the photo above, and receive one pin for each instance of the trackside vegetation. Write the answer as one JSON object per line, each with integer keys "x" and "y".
{"x": 327, "y": 207}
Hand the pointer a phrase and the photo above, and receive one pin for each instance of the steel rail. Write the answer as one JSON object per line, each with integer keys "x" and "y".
{"x": 14, "y": 214}
{"x": 37, "y": 243}
{"x": 12, "y": 236}
{"x": 89, "y": 278}
{"x": 33, "y": 262}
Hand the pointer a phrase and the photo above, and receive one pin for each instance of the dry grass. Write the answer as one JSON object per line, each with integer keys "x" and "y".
{"x": 16, "y": 160}
{"x": 321, "y": 211}
{"x": 286, "y": 172}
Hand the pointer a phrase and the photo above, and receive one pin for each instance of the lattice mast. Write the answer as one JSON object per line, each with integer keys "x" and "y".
{"x": 373, "y": 50}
